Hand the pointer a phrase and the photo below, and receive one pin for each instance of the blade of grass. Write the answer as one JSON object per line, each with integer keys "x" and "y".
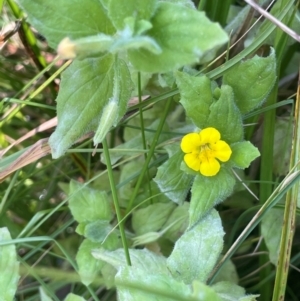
{"x": 35, "y": 93}
{"x": 149, "y": 157}
{"x": 268, "y": 108}
{"x": 143, "y": 131}
{"x": 289, "y": 181}
{"x": 288, "y": 229}
{"x": 7, "y": 191}
{"x": 28, "y": 103}
{"x": 116, "y": 201}
{"x": 266, "y": 172}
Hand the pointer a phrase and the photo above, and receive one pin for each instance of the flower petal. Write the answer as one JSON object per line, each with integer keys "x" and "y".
{"x": 190, "y": 143}
{"x": 222, "y": 150}
{"x": 209, "y": 167}
{"x": 192, "y": 161}
{"x": 209, "y": 135}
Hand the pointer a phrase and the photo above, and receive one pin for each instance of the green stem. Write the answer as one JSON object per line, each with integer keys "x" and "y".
{"x": 267, "y": 155}
{"x": 143, "y": 130}
{"x": 151, "y": 152}
{"x": 116, "y": 202}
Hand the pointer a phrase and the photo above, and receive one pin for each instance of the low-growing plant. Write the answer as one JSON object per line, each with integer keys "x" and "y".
{"x": 157, "y": 88}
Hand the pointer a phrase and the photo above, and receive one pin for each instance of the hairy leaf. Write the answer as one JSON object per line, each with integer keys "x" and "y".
{"x": 9, "y": 267}
{"x": 271, "y": 232}
{"x": 87, "y": 204}
{"x": 226, "y": 117}
{"x": 185, "y": 35}
{"x": 172, "y": 181}
{"x": 144, "y": 259}
{"x": 179, "y": 221}
{"x": 118, "y": 11}
{"x": 43, "y": 295}
{"x": 208, "y": 192}
{"x": 58, "y": 19}
{"x": 88, "y": 265}
{"x": 151, "y": 218}
{"x": 196, "y": 97}
{"x": 196, "y": 252}
{"x": 86, "y": 88}
{"x": 231, "y": 292}
{"x": 243, "y": 153}
{"x": 252, "y": 81}
{"x": 73, "y": 297}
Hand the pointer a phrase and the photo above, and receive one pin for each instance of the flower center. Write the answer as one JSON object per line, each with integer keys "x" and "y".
{"x": 205, "y": 152}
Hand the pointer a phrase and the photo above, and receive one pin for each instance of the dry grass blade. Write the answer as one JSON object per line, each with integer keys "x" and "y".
{"x": 38, "y": 150}
{"x": 41, "y": 147}
{"x": 282, "y": 26}
{"x": 43, "y": 127}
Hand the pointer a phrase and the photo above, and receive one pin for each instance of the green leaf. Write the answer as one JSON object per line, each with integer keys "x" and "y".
{"x": 135, "y": 284}
{"x": 187, "y": 3}
{"x": 207, "y": 192}
{"x": 9, "y": 268}
{"x": 204, "y": 292}
{"x": 179, "y": 220}
{"x": 172, "y": 181}
{"x": 243, "y": 153}
{"x": 109, "y": 272}
{"x": 144, "y": 259}
{"x": 151, "y": 218}
{"x": 87, "y": 204}
{"x": 282, "y": 145}
{"x": 227, "y": 273}
{"x": 162, "y": 287}
{"x": 196, "y": 97}
{"x": 86, "y": 88}
{"x": 188, "y": 170}
{"x": 118, "y": 11}
{"x": 252, "y": 81}
{"x": 174, "y": 29}
{"x": 232, "y": 292}
{"x": 228, "y": 291}
{"x": 88, "y": 265}
{"x": 72, "y": 297}
{"x": 226, "y": 117}
{"x": 128, "y": 178}
{"x": 196, "y": 252}
{"x": 97, "y": 231}
{"x": 43, "y": 295}
{"x": 271, "y": 231}
{"x": 58, "y": 19}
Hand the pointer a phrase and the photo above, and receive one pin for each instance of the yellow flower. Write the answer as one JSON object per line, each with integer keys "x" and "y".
{"x": 203, "y": 149}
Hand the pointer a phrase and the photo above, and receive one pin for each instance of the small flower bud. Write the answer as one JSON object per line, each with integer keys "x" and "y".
{"x": 107, "y": 120}
{"x": 66, "y": 49}
{"x": 84, "y": 47}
